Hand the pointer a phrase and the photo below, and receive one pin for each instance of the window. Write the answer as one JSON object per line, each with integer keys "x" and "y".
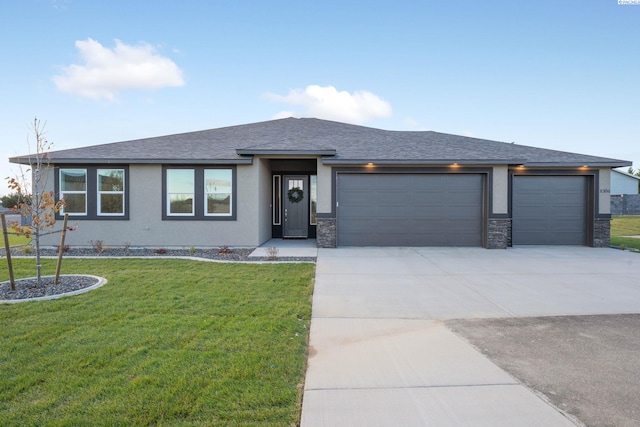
{"x": 73, "y": 190}
{"x": 110, "y": 191}
{"x": 199, "y": 193}
{"x": 277, "y": 199}
{"x": 180, "y": 187}
{"x": 313, "y": 200}
{"x": 93, "y": 192}
{"x": 217, "y": 189}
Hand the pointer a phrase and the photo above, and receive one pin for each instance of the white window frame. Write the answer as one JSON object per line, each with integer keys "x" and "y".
{"x": 85, "y": 192}
{"x": 193, "y": 194}
{"x": 206, "y": 193}
{"x": 101, "y": 192}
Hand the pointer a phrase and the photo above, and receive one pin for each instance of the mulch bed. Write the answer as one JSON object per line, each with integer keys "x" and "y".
{"x": 29, "y": 288}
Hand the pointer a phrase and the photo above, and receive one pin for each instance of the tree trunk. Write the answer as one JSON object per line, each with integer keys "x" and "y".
{"x": 61, "y": 248}
{"x": 8, "y": 252}
{"x": 38, "y": 263}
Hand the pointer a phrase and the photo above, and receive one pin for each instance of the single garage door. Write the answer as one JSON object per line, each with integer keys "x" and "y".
{"x": 549, "y": 210}
{"x": 410, "y": 209}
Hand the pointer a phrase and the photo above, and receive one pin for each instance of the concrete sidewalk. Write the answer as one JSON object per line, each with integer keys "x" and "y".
{"x": 381, "y": 356}
{"x": 297, "y": 248}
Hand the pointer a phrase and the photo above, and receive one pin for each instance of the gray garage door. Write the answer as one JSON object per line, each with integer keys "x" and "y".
{"x": 410, "y": 209}
{"x": 549, "y": 210}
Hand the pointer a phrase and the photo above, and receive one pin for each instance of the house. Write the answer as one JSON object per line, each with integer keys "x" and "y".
{"x": 343, "y": 184}
{"x": 10, "y": 216}
{"x": 625, "y": 193}
{"x": 624, "y": 183}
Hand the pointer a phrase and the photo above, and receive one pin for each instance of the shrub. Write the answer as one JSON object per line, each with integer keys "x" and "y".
{"x": 97, "y": 245}
{"x": 272, "y": 253}
{"x": 225, "y": 250}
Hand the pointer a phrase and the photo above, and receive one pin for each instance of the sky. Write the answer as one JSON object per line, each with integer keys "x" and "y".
{"x": 558, "y": 74}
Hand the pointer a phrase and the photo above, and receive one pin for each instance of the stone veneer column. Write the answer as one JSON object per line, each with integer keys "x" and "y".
{"x": 498, "y": 233}
{"x": 602, "y": 233}
{"x": 326, "y": 232}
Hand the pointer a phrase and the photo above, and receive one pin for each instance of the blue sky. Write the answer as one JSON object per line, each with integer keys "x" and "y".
{"x": 560, "y": 74}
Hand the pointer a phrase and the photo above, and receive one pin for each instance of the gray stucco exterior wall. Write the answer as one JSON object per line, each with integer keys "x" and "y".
{"x": 146, "y": 228}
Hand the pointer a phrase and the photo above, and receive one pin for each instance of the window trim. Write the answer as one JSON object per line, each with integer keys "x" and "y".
{"x": 92, "y": 193}
{"x": 199, "y": 195}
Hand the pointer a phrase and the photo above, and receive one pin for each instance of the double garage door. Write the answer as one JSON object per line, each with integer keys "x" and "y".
{"x": 410, "y": 209}
{"x": 447, "y": 210}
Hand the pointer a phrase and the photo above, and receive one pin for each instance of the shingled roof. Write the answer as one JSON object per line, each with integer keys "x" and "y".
{"x": 337, "y": 143}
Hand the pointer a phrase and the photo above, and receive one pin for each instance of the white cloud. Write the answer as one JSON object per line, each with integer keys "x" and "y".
{"x": 105, "y": 72}
{"x": 329, "y": 103}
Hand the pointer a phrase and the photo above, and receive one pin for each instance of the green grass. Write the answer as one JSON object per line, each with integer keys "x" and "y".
{"x": 625, "y": 226}
{"x": 15, "y": 240}
{"x": 164, "y": 343}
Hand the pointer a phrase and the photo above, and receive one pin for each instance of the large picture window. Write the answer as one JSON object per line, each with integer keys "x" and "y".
{"x": 93, "y": 192}
{"x": 199, "y": 192}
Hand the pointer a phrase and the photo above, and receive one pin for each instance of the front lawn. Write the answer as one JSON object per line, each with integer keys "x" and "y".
{"x": 625, "y": 226}
{"x": 15, "y": 240}
{"x": 164, "y": 342}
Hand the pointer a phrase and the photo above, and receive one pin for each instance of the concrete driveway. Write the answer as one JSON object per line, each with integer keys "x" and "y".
{"x": 381, "y": 355}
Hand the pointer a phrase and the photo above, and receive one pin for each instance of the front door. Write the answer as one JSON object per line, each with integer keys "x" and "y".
{"x": 296, "y": 206}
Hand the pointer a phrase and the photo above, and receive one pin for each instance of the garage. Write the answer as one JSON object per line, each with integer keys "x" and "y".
{"x": 376, "y": 209}
{"x": 549, "y": 210}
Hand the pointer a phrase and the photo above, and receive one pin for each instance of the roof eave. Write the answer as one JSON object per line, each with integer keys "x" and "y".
{"x": 604, "y": 164}
{"x": 253, "y": 151}
{"x": 25, "y": 160}
{"x": 438, "y": 162}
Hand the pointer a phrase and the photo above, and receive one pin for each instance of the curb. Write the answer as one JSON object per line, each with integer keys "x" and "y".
{"x": 101, "y": 282}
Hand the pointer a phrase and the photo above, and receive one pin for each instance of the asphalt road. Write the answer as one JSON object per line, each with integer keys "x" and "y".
{"x": 587, "y": 366}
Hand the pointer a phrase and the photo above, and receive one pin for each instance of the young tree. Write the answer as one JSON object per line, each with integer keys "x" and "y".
{"x": 39, "y": 205}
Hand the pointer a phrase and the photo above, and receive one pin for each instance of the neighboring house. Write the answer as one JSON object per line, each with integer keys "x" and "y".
{"x": 343, "y": 184}
{"x": 625, "y": 197}
{"x": 624, "y": 183}
{"x": 10, "y": 216}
